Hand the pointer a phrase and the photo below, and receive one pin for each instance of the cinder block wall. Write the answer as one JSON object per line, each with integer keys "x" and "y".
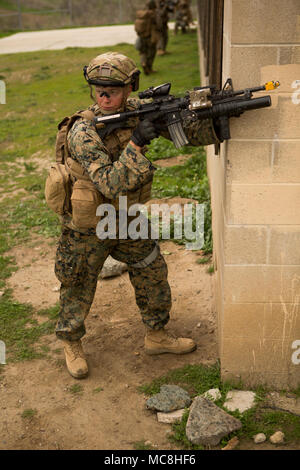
{"x": 255, "y": 188}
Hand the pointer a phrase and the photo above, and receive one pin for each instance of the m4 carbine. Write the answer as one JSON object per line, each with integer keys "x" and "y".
{"x": 201, "y": 103}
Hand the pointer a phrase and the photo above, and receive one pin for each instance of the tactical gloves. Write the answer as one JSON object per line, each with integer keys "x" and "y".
{"x": 144, "y": 133}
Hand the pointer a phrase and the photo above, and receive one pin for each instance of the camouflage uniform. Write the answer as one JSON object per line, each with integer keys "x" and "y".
{"x": 81, "y": 254}
{"x": 162, "y": 18}
{"x": 183, "y": 16}
{"x": 104, "y": 167}
{"x": 147, "y": 42}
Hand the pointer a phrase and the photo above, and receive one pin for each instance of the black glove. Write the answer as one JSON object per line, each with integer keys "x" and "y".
{"x": 144, "y": 133}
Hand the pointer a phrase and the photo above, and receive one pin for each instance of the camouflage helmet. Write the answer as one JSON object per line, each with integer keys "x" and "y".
{"x": 112, "y": 69}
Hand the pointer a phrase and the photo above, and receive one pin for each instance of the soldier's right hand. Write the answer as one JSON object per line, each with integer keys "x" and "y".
{"x": 144, "y": 133}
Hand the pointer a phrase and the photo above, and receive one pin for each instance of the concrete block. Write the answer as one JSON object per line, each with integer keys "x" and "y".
{"x": 273, "y": 204}
{"x": 262, "y": 321}
{"x": 261, "y": 284}
{"x": 289, "y": 55}
{"x": 284, "y": 245}
{"x": 251, "y": 355}
{"x": 245, "y": 244}
{"x": 263, "y": 161}
{"x": 285, "y": 74}
{"x": 249, "y": 162}
{"x": 265, "y": 22}
{"x": 285, "y": 161}
{"x": 279, "y": 121}
{"x": 246, "y": 63}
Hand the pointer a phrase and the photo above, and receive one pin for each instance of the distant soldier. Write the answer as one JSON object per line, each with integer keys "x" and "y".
{"x": 183, "y": 16}
{"x": 164, "y": 7}
{"x": 146, "y": 28}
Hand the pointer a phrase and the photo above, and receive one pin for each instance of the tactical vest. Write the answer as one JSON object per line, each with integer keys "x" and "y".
{"x": 84, "y": 198}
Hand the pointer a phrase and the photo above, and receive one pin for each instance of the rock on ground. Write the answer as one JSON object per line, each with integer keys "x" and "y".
{"x": 171, "y": 417}
{"x": 259, "y": 438}
{"x": 239, "y": 400}
{"x": 277, "y": 438}
{"x": 207, "y": 423}
{"x": 112, "y": 268}
{"x": 284, "y": 403}
{"x": 170, "y": 398}
{"x": 213, "y": 394}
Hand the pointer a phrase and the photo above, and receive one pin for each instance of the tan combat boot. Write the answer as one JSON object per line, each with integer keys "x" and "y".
{"x": 75, "y": 359}
{"x": 160, "y": 341}
{"x": 160, "y": 52}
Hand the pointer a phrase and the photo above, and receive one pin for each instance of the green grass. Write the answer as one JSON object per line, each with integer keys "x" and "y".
{"x": 20, "y": 331}
{"x": 29, "y": 413}
{"x": 76, "y": 389}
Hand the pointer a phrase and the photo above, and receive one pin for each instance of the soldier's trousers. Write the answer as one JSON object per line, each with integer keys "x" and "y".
{"x": 79, "y": 260}
{"x": 163, "y": 39}
{"x": 147, "y": 53}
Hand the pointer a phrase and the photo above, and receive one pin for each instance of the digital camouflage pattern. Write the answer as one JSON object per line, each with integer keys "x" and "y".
{"x": 111, "y": 66}
{"x": 111, "y": 178}
{"x": 81, "y": 254}
{"x": 79, "y": 261}
{"x": 148, "y": 38}
{"x": 162, "y": 18}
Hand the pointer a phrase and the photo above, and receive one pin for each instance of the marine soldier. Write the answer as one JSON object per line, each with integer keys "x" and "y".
{"x": 164, "y": 7}
{"x": 148, "y": 34}
{"x": 183, "y": 16}
{"x": 103, "y": 167}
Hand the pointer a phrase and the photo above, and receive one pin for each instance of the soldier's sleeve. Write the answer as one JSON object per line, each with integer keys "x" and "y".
{"x": 201, "y": 132}
{"x": 111, "y": 178}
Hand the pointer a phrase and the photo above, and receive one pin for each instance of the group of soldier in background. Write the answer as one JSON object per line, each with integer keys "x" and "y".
{"x": 151, "y": 26}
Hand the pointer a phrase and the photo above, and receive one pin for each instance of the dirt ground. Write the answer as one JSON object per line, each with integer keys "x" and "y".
{"x": 109, "y": 413}
{"x": 115, "y": 417}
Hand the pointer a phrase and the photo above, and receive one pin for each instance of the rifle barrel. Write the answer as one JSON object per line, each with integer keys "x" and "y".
{"x": 234, "y": 107}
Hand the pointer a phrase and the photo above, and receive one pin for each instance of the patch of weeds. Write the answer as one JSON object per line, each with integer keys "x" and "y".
{"x": 18, "y": 329}
{"x": 142, "y": 445}
{"x": 210, "y": 269}
{"x": 204, "y": 260}
{"x": 196, "y": 379}
{"x": 162, "y": 148}
{"x": 51, "y": 312}
{"x": 187, "y": 181}
{"x": 260, "y": 420}
{"x": 29, "y": 413}
{"x": 7, "y": 267}
{"x": 29, "y": 166}
{"x": 297, "y": 392}
{"x": 98, "y": 390}
{"x": 76, "y": 389}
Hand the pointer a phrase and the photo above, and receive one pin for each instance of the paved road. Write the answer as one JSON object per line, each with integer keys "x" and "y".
{"x": 61, "y": 38}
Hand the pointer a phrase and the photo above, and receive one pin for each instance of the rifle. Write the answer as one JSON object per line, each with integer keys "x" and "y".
{"x": 200, "y": 103}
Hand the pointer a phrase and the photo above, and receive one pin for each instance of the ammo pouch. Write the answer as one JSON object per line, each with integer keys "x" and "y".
{"x": 58, "y": 188}
{"x": 143, "y": 23}
{"x": 84, "y": 201}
